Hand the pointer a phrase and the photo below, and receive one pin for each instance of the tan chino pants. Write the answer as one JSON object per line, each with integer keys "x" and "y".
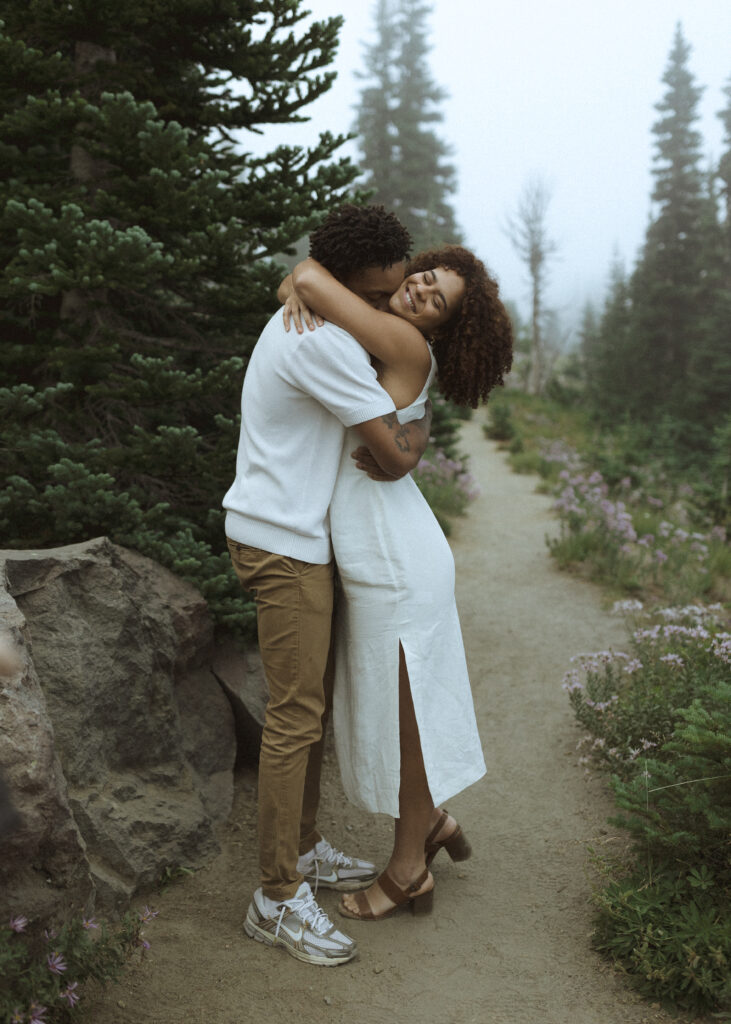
{"x": 294, "y": 602}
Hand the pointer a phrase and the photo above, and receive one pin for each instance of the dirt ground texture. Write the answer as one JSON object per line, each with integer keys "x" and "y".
{"x": 508, "y": 941}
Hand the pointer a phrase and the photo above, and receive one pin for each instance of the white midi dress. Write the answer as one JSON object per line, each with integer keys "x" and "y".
{"x": 397, "y": 575}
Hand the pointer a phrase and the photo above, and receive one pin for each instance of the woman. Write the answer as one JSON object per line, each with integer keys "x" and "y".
{"x": 404, "y": 722}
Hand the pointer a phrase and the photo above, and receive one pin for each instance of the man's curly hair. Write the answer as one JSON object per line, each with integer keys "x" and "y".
{"x": 473, "y": 350}
{"x": 352, "y": 238}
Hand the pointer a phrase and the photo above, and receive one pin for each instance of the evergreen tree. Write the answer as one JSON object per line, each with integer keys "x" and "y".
{"x": 724, "y": 169}
{"x": 405, "y": 162}
{"x": 667, "y": 283}
{"x": 708, "y": 386}
{"x": 134, "y": 233}
{"x": 610, "y": 355}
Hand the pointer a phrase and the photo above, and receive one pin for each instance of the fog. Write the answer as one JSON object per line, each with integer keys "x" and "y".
{"x": 564, "y": 91}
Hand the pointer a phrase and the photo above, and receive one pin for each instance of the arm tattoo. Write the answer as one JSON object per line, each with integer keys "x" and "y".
{"x": 401, "y": 435}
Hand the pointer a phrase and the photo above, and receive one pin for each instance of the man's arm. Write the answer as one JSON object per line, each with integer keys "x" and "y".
{"x": 396, "y": 447}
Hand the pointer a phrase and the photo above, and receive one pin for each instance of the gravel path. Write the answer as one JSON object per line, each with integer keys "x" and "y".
{"x": 508, "y": 940}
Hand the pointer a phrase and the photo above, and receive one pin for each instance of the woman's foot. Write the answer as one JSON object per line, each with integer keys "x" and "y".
{"x": 448, "y": 834}
{"x": 387, "y": 894}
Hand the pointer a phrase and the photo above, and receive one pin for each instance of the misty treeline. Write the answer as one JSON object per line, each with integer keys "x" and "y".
{"x": 136, "y": 236}
{"x": 657, "y": 358}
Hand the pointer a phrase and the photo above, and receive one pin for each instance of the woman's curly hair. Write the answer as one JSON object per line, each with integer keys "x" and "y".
{"x": 473, "y": 350}
{"x": 352, "y": 238}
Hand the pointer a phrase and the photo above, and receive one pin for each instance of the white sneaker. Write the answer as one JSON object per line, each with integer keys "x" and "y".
{"x": 301, "y": 926}
{"x": 327, "y": 868}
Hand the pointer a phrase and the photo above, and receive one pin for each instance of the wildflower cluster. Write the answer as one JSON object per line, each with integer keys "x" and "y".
{"x": 42, "y": 971}
{"x": 659, "y": 717}
{"x": 625, "y": 535}
{"x": 446, "y": 483}
{"x": 628, "y": 702}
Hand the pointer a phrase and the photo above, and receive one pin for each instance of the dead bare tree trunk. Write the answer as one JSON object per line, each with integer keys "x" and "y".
{"x": 528, "y": 233}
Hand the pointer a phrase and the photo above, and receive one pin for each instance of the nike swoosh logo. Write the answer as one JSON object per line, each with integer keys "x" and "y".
{"x": 294, "y": 936}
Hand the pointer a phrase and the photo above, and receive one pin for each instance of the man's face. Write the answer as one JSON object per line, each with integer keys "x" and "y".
{"x": 376, "y": 285}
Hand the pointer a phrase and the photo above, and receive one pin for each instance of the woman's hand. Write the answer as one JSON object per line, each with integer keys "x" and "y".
{"x": 296, "y": 311}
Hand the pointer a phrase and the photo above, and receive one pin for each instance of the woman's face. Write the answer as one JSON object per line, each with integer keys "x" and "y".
{"x": 428, "y": 298}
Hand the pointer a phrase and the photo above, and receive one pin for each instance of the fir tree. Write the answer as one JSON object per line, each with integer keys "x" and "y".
{"x": 610, "y": 355}
{"x": 405, "y": 162}
{"x": 134, "y": 236}
{"x": 667, "y": 282}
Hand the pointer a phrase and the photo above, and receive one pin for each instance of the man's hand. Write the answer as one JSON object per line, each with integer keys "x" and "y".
{"x": 395, "y": 447}
{"x": 365, "y": 461}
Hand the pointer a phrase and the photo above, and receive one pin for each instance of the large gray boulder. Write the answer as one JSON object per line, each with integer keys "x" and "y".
{"x": 116, "y": 740}
{"x": 42, "y": 852}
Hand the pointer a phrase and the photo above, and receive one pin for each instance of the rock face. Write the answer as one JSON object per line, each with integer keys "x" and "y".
{"x": 241, "y": 674}
{"x": 116, "y": 740}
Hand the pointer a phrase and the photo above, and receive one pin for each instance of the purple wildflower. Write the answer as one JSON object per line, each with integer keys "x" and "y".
{"x": 70, "y": 993}
{"x": 661, "y": 557}
{"x": 721, "y": 647}
{"x": 56, "y": 963}
{"x": 36, "y": 1013}
{"x": 147, "y": 914}
{"x": 626, "y": 607}
{"x": 89, "y": 923}
{"x": 19, "y": 923}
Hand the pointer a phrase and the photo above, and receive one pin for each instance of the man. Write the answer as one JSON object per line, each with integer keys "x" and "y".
{"x": 301, "y": 391}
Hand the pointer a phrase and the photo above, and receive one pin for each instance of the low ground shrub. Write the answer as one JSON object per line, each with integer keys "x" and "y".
{"x": 658, "y": 718}
{"x": 43, "y": 971}
{"x": 635, "y": 537}
{"x": 447, "y": 485}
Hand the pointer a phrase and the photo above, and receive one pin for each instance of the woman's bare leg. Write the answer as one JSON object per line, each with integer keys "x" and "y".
{"x": 417, "y": 814}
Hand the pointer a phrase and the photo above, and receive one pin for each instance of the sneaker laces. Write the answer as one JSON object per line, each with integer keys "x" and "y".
{"x": 333, "y": 856}
{"x": 324, "y": 853}
{"x": 309, "y": 912}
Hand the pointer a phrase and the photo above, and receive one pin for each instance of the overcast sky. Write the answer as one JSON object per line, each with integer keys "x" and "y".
{"x": 563, "y": 90}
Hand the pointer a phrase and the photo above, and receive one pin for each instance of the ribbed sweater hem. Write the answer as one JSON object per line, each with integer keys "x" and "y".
{"x": 278, "y": 540}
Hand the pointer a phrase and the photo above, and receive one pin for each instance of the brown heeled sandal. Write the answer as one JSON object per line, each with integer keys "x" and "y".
{"x": 455, "y": 844}
{"x": 419, "y": 902}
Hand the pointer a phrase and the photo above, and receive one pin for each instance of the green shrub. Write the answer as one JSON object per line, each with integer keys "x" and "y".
{"x": 447, "y": 419}
{"x": 500, "y": 426}
{"x": 671, "y": 936}
{"x": 447, "y": 485}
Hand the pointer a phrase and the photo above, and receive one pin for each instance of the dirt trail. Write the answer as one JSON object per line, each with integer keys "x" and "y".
{"x": 508, "y": 940}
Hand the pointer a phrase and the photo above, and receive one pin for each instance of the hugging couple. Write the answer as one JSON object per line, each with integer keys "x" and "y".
{"x": 334, "y": 416}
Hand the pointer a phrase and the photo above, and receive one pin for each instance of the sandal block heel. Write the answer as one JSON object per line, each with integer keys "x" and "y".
{"x": 456, "y": 844}
{"x": 423, "y": 903}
